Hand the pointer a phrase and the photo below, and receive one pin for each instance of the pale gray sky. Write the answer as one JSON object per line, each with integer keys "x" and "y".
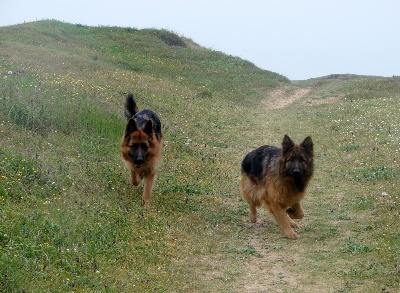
{"x": 300, "y": 39}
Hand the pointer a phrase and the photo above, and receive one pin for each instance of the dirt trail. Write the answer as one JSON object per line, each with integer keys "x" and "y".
{"x": 271, "y": 270}
{"x": 282, "y": 98}
{"x": 279, "y": 264}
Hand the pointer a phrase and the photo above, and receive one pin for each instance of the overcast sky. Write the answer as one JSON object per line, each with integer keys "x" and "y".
{"x": 300, "y": 39}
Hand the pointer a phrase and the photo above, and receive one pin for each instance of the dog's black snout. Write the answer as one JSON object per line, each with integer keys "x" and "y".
{"x": 139, "y": 160}
{"x": 296, "y": 172}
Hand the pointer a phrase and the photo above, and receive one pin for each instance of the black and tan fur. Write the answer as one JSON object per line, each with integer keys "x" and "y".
{"x": 278, "y": 178}
{"x": 141, "y": 146}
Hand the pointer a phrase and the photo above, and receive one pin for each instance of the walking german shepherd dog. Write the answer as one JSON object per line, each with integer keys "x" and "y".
{"x": 278, "y": 178}
{"x": 141, "y": 146}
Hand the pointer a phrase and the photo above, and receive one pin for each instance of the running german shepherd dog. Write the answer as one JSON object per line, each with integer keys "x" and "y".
{"x": 141, "y": 146}
{"x": 278, "y": 178}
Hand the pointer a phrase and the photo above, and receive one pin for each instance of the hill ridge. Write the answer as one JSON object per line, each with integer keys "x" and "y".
{"x": 147, "y": 54}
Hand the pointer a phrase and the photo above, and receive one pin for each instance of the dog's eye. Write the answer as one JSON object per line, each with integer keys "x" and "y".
{"x": 137, "y": 146}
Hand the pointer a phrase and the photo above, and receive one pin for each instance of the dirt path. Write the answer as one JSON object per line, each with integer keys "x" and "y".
{"x": 269, "y": 272}
{"x": 283, "y": 97}
{"x": 272, "y": 269}
{"x": 278, "y": 264}
{"x": 286, "y": 96}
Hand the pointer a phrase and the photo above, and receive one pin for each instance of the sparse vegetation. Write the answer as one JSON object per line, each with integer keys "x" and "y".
{"x": 71, "y": 221}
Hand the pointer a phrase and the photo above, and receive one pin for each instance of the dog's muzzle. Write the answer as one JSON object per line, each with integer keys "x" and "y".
{"x": 139, "y": 162}
{"x": 296, "y": 172}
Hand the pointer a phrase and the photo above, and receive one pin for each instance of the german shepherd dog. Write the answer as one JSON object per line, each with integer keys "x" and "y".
{"x": 141, "y": 146}
{"x": 278, "y": 178}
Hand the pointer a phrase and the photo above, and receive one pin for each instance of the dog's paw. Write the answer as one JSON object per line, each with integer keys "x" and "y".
{"x": 291, "y": 235}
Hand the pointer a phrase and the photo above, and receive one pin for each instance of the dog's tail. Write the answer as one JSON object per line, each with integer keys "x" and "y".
{"x": 130, "y": 106}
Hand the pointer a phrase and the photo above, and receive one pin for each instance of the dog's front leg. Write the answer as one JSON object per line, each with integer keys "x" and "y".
{"x": 283, "y": 220}
{"x": 149, "y": 180}
{"x": 135, "y": 178}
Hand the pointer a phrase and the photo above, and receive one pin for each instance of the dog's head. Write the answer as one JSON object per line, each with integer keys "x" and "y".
{"x": 298, "y": 159}
{"x": 139, "y": 140}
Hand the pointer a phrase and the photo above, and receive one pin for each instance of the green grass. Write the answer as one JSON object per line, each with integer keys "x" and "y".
{"x": 70, "y": 220}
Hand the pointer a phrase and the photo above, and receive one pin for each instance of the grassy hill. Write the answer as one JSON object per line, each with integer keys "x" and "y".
{"x": 71, "y": 221}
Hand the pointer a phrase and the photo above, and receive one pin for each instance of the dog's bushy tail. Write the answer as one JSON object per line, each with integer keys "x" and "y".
{"x": 130, "y": 106}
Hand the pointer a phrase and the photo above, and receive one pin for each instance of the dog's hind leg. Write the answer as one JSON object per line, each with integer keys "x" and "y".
{"x": 295, "y": 211}
{"x": 149, "y": 180}
{"x": 248, "y": 196}
{"x": 253, "y": 213}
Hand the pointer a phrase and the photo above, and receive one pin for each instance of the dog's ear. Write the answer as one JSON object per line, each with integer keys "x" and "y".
{"x": 287, "y": 143}
{"x": 308, "y": 145}
{"x": 130, "y": 106}
{"x": 130, "y": 127}
{"x": 148, "y": 128}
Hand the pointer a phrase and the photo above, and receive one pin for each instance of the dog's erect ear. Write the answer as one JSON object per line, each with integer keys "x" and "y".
{"x": 130, "y": 106}
{"x": 308, "y": 145}
{"x": 287, "y": 143}
{"x": 148, "y": 128}
{"x": 130, "y": 127}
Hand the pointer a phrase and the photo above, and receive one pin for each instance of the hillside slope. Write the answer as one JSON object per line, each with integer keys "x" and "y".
{"x": 151, "y": 60}
{"x": 71, "y": 221}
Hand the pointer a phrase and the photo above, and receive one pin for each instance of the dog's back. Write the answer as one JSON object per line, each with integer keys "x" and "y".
{"x": 258, "y": 162}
